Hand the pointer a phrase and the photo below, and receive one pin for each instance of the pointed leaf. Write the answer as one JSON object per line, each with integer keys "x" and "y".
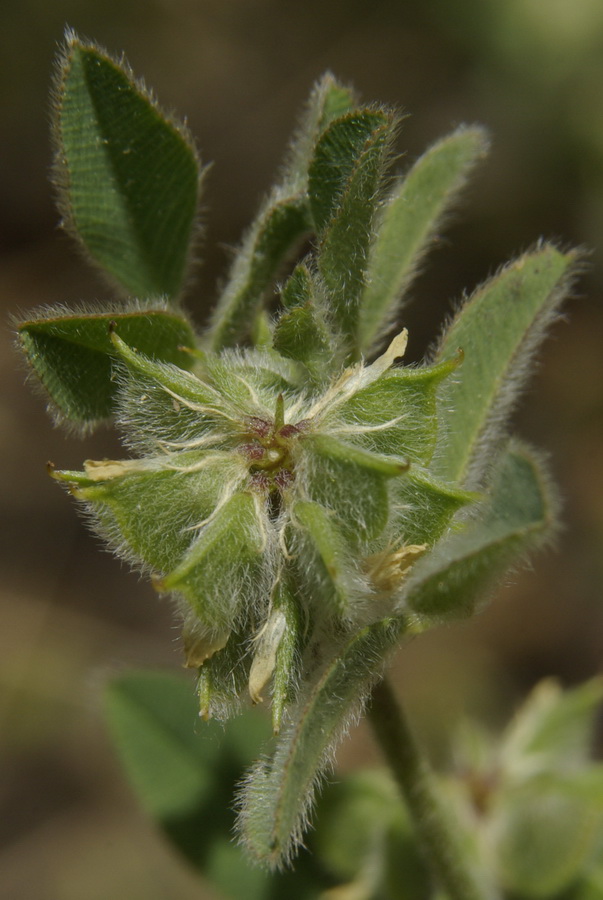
{"x": 147, "y": 508}
{"x": 408, "y": 224}
{"x": 278, "y": 793}
{"x": 72, "y": 355}
{"x": 329, "y": 100}
{"x": 553, "y": 730}
{"x": 346, "y": 239}
{"x": 301, "y": 332}
{"x": 324, "y": 560}
{"x": 128, "y": 176}
{"x": 279, "y": 227}
{"x": 396, "y": 414}
{"x": 518, "y": 518}
{"x": 424, "y": 507}
{"x": 352, "y": 483}
{"x": 336, "y": 158}
{"x": 220, "y": 570}
{"x": 499, "y": 329}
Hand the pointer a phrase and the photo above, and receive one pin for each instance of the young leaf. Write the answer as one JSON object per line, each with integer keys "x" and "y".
{"x": 396, "y": 414}
{"x": 323, "y": 557}
{"x": 407, "y": 225}
{"x": 128, "y": 177}
{"x": 278, "y": 793}
{"x": 73, "y": 355}
{"x": 499, "y": 329}
{"x": 519, "y": 516}
{"x": 333, "y": 467}
{"x": 336, "y": 157}
{"x": 146, "y": 508}
{"x": 215, "y": 573}
{"x": 345, "y": 202}
{"x": 301, "y": 332}
{"x": 279, "y": 226}
{"x": 329, "y": 100}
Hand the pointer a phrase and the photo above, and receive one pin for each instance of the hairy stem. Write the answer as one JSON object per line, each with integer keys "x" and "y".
{"x": 411, "y": 770}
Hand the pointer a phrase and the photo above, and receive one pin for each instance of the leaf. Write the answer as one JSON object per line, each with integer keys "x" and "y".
{"x": 352, "y": 483}
{"x": 301, "y": 332}
{"x": 553, "y": 730}
{"x": 73, "y": 356}
{"x": 280, "y": 225}
{"x": 162, "y": 404}
{"x": 346, "y": 236}
{"x": 547, "y": 831}
{"x": 148, "y": 507}
{"x": 128, "y": 177}
{"x": 407, "y": 225}
{"x": 182, "y": 773}
{"x": 217, "y": 574}
{"x": 278, "y": 792}
{"x": 336, "y": 157}
{"x": 329, "y": 100}
{"x": 518, "y": 518}
{"x": 424, "y": 507}
{"x": 499, "y": 330}
{"x": 396, "y": 414}
{"x": 323, "y": 560}
{"x": 363, "y": 833}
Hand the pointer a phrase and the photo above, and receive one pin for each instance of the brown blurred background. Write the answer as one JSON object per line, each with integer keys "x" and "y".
{"x": 532, "y": 72}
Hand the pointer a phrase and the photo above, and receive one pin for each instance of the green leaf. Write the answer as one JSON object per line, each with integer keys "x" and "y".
{"x": 216, "y": 575}
{"x": 73, "y": 355}
{"x": 396, "y": 414}
{"x": 280, "y": 225}
{"x": 128, "y": 177}
{"x": 518, "y": 518}
{"x": 408, "y": 224}
{"x": 352, "y": 483}
{"x": 278, "y": 793}
{"x": 183, "y": 774}
{"x": 336, "y": 158}
{"x": 301, "y": 332}
{"x": 423, "y": 507}
{"x": 553, "y": 730}
{"x": 329, "y": 100}
{"x": 363, "y": 834}
{"x": 346, "y": 237}
{"x": 323, "y": 559}
{"x": 499, "y": 329}
{"x": 148, "y": 508}
{"x": 547, "y": 832}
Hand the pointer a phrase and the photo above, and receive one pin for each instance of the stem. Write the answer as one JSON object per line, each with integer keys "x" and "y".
{"x": 411, "y": 770}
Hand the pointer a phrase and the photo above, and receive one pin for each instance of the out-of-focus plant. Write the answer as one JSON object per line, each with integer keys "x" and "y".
{"x": 306, "y": 499}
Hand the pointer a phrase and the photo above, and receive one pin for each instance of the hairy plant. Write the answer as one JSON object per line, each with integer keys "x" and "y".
{"x": 305, "y": 498}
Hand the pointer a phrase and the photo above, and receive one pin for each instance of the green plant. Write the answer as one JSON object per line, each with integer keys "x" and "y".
{"x": 307, "y": 500}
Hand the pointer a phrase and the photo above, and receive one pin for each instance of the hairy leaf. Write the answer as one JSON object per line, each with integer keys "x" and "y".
{"x": 519, "y": 516}
{"x": 499, "y": 329}
{"x": 73, "y": 355}
{"x": 216, "y": 574}
{"x": 279, "y": 791}
{"x": 128, "y": 177}
{"x": 408, "y": 224}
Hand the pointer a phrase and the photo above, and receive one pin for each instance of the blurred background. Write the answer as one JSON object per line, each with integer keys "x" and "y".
{"x": 531, "y": 71}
